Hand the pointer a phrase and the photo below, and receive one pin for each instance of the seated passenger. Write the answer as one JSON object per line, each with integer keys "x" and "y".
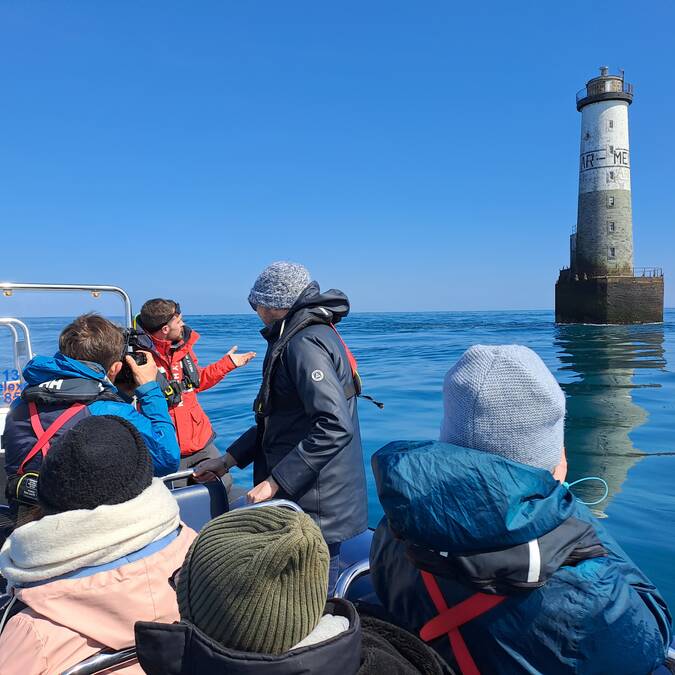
{"x": 100, "y": 557}
{"x": 75, "y": 383}
{"x": 481, "y": 524}
{"x": 252, "y": 598}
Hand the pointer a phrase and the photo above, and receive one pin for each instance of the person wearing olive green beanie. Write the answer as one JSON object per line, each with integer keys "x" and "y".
{"x": 268, "y": 567}
{"x": 252, "y": 601}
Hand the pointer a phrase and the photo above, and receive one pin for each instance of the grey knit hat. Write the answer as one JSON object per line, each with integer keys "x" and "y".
{"x": 503, "y": 399}
{"x": 256, "y": 579}
{"x": 279, "y": 285}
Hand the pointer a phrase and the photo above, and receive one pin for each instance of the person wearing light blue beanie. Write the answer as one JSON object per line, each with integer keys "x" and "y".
{"x": 503, "y": 399}
{"x": 487, "y": 555}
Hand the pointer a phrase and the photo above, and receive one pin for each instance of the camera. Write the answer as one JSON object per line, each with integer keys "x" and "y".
{"x": 135, "y": 343}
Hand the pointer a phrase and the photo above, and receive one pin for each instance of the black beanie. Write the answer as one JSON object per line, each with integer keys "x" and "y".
{"x": 101, "y": 460}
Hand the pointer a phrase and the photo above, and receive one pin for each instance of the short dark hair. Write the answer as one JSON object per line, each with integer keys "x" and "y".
{"x": 157, "y": 312}
{"x": 92, "y": 338}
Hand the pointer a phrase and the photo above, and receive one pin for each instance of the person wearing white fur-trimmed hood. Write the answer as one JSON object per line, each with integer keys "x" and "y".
{"x": 97, "y": 560}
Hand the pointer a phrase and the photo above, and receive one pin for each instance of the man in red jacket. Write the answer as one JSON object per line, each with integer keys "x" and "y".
{"x": 175, "y": 358}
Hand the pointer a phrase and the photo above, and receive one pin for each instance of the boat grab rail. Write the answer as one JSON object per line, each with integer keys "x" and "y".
{"x": 12, "y": 324}
{"x": 284, "y": 503}
{"x": 349, "y": 576}
{"x": 21, "y": 345}
{"x": 8, "y": 287}
{"x": 178, "y": 475}
{"x": 102, "y": 661}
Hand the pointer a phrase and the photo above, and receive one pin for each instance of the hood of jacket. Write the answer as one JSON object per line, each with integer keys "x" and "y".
{"x": 103, "y": 607}
{"x": 312, "y": 306}
{"x": 59, "y": 377}
{"x": 46, "y": 368}
{"x": 496, "y": 523}
{"x": 182, "y": 649}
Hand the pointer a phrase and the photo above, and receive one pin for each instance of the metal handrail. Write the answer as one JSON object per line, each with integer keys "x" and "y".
{"x": 607, "y": 87}
{"x": 650, "y": 272}
{"x": 102, "y": 661}
{"x": 647, "y": 271}
{"x": 12, "y": 324}
{"x": 349, "y": 576}
{"x": 284, "y": 503}
{"x": 178, "y": 475}
{"x": 8, "y": 287}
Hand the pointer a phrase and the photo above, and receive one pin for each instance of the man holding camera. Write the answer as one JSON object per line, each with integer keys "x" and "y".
{"x": 76, "y": 382}
{"x": 181, "y": 378}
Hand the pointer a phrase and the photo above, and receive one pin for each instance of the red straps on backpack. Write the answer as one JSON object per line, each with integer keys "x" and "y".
{"x": 450, "y": 619}
{"x": 44, "y": 436}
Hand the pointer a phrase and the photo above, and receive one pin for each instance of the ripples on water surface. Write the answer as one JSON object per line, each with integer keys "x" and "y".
{"x": 619, "y": 383}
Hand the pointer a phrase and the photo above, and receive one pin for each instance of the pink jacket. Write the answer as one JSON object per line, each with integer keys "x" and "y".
{"x": 71, "y": 619}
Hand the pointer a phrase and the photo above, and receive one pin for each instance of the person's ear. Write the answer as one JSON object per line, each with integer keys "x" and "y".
{"x": 165, "y": 330}
{"x": 114, "y": 370}
{"x": 560, "y": 471}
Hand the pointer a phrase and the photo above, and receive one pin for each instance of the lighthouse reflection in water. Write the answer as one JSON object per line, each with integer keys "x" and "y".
{"x": 607, "y": 364}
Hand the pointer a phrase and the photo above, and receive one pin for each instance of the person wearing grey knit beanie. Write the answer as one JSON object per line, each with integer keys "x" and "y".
{"x": 480, "y": 525}
{"x": 504, "y": 400}
{"x": 279, "y": 285}
{"x": 306, "y": 444}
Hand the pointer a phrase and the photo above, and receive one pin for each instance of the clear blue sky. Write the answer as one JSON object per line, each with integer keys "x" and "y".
{"x": 419, "y": 155}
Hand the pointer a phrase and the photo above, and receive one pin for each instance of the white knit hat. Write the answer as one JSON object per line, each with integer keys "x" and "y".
{"x": 504, "y": 400}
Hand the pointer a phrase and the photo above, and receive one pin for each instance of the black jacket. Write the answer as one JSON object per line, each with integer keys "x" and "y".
{"x": 371, "y": 649}
{"x": 307, "y": 436}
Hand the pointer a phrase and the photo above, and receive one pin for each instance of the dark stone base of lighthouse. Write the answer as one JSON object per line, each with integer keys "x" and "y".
{"x": 619, "y": 300}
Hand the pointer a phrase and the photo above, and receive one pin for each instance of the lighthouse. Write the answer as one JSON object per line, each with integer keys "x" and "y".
{"x": 601, "y": 284}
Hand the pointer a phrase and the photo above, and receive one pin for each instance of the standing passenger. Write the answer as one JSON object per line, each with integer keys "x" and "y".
{"x": 174, "y": 354}
{"x": 306, "y": 445}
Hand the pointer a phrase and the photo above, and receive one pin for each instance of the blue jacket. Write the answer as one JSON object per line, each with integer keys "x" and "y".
{"x": 55, "y": 383}
{"x": 471, "y": 518}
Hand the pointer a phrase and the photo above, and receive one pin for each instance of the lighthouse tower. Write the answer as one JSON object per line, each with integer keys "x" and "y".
{"x": 601, "y": 284}
{"x": 604, "y": 236}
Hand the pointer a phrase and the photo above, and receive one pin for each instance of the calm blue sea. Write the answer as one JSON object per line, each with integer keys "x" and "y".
{"x": 619, "y": 380}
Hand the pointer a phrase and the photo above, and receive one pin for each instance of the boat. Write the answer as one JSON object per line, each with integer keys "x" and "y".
{"x": 198, "y": 503}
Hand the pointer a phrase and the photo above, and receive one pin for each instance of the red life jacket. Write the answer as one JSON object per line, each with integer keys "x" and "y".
{"x": 450, "y": 619}
{"x": 358, "y": 385}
